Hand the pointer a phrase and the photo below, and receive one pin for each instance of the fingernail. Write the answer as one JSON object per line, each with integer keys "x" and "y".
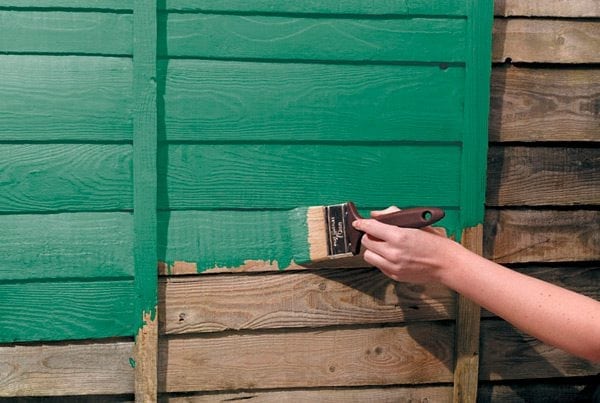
{"x": 356, "y": 224}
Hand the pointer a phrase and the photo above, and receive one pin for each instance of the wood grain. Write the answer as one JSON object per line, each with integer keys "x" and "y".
{"x": 402, "y": 7}
{"x": 94, "y": 4}
{"x": 226, "y": 100}
{"x": 65, "y": 177}
{"x": 33, "y": 311}
{"x": 85, "y": 368}
{"x": 545, "y": 104}
{"x": 46, "y": 98}
{"x": 546, "y": 41}
{"x": 286, "y": 38}
{"x": 508, "y": 354}
{"x": 65, "y": 32}
{"x": 267, "y": 176}
{"x": 62, "y": 246}
{"x": 418, "y": 353}
{"x": 543, "y": 176}
{"x": 547, "y": 8}
{"x": 308, "y": 299}
{"x": 514, "y": 236}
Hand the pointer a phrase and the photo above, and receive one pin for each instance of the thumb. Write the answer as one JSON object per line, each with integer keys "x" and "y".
{"x": 379, "y": 213}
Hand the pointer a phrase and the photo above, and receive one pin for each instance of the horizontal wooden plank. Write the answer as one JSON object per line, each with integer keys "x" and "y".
{"x": 440, "y": 394}
{"x": 547, "y": 8}
{"x": 308, "y": 299}
{"x": 65, "y": 32}
{"x": 217, "y": 100}
{"x": 74, "y": 245}
{"x": 403, "y": 7}
{"x": 257, "y": 240}
{"x": 267, "y": 176}
{"x": 276, "y": 37}
{"x": 65, "y": 98}
{"x": 79, "y": 4}
{"x": 86, "y": 368}
{"x": 419, "y": 353}
{"x": 537, "y": 176}
{"x": 549, "y": 104}
{"x": 74, "y": 177}
{"x": 513, "y": 236}
{"x": 508, "y": 354}
{"x": 66, "y": 310}
{"x": 546, "y": 41}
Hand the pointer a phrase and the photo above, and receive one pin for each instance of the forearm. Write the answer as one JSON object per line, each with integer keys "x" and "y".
{"x": 550, "y": 313}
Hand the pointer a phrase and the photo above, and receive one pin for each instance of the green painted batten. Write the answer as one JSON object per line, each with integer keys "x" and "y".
{"x": 121, "y": 5}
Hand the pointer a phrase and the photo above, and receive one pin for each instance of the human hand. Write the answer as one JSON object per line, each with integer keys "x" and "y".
{"x": 403, "y": 254}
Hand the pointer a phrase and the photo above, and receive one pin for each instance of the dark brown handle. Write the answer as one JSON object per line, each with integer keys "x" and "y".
{"x": 413, "y": 218}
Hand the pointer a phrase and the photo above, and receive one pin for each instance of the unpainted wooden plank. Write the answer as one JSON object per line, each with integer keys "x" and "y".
{"x": 65, "y": 177}
{"x": 200, "y": 176}
{"x": 547, "y": 8}
{"x": 308, "y": 299}
{"x": 541, "y": 176}
{"x": 515, "y": 236}
{"x": 546, "y": 41}
{"x": 84, "y": 368}
{"x": 286, "y": 38}
{"x": 214, "y": 100}
{"x": 403, "y": 7}
{"x": 66, "y": 310}
{"x": 415, "y": 354}
{"x": 408, "y": 394}
{"x": 549, "y": 104}
{"x": 46, "y": 98}
{"x": 65, "y": 32}
{"x": 508, "y": 354}
{"x": 70, "y": 245}
{"x": 77, "y": 4}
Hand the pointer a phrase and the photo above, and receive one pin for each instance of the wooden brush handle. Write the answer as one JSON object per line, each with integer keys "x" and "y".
{"x": 413, "y": 218}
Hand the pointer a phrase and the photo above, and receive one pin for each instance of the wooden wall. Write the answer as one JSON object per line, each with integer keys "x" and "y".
{"x": 359, "y": 336}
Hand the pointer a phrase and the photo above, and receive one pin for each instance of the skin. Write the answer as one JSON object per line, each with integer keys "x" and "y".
{"x": 554, "y": 315}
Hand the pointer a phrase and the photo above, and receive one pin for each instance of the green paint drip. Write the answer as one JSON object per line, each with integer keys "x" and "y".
{"x": 132, "y": 362}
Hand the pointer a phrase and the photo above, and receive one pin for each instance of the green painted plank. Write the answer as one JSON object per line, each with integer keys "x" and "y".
{"x": 401, "y": 7}
{"x": 221, "y": 100}
{"x": 82, "y": 4}
{"x": 65, "y": 32}
{"x": 271, "y": 176}
{"x": 74, "y": 245}
{"x": 65, "y": 177}
{"x": 65, "y": 310}
{"x": 230, "y": 238}
{"x": 65, "y": 98}
{"x": 234, "y": 36}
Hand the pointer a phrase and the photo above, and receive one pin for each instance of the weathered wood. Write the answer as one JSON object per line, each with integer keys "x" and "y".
{"x": 309, "y": 299}
{"x": 547, "y": 8}
{"x": 85, "y": 368}
{"x": 64, "y": 310}
{"x": 65, "y": 177}
{"x": 538, "y": 176}
{"x": 417, "y": 353}
{"x": 466, "y": 367}
{"x": 62, "y": 246}
{"x": 408, "y": 394}
{"x": 47, "y": 98}
{"x": 65, "y": 32}
{"x": 211, "y": 100}
{"x": 200, "y": 176}
{"x": 286, "y": 38}
{"x": 549, "y": 104}
{"x": 508, "y": 354}
{"x": 546, "y": 41}
{"x": 513, "y": 236}
{"x": 146, "y": 356}
{"x": 403, "y": 7}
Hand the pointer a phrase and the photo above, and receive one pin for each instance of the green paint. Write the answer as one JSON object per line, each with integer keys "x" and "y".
{"x": 132, "y": 362}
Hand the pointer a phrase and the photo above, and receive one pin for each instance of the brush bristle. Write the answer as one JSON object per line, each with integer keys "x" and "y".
{"x": 317, "y": 233}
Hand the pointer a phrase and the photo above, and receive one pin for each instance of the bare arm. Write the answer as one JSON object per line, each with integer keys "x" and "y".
{"x": 556, "y": 316}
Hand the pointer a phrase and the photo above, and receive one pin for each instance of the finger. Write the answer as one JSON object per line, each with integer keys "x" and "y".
{"x": 436, "y": 231}
{"x": 378, "y": 213}
{"x": 375, "y": 228}
{"x": 377, "y": 246}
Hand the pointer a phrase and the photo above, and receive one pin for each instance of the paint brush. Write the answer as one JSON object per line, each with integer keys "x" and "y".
{"x": 332, "y": 236}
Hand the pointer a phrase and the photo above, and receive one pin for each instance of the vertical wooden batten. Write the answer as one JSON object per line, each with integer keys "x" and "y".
{"x": 145, "y": 190}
